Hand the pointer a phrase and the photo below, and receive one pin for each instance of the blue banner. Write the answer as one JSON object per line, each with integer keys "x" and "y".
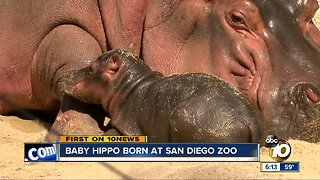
{"x": 157, "y": 150}
{"x": 289, "y": 166}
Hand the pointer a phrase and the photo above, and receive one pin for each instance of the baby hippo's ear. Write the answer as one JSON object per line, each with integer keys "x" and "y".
{"x": 112, "y": 66}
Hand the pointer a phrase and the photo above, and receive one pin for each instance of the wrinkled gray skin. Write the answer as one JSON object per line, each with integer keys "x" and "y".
{"x": 268, "y": 49}
{"x": 289, "y": 95}
{"x": 191, "y": 107}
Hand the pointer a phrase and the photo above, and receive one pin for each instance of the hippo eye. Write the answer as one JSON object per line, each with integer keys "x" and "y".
{"x": 237, "y": 20}
{"x": 92, "y": 70}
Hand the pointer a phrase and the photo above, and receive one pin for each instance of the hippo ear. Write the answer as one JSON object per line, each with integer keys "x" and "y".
{"x": 113, "y": 64}
{"x": 243, "y": 17}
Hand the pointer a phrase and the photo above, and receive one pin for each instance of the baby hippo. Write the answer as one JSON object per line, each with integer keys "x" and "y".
{"x": 191, "y": 107}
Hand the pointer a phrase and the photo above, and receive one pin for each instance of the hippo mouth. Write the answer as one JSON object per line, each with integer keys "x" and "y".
{"x": 73, "y": 84}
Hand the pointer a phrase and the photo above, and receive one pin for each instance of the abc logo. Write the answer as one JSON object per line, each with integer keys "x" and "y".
{"x": 279, "y": 149}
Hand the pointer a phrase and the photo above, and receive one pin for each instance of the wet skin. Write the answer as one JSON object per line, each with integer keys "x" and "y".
{"x": 268, "y": 49}
{"x": 191, "y": 107}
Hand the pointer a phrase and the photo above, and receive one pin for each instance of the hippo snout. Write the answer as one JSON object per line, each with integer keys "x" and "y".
{"x": 307, "y": 94}
{"x": 73, "y": 83}
{"x": 295, "y": 113}
{"x": 302, "y": 109}
{"x": 70, "y": 83}
{"x": 312, "y": 94}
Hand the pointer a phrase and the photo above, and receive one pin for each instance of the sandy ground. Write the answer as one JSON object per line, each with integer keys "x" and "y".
{"x": 14, "y": 132}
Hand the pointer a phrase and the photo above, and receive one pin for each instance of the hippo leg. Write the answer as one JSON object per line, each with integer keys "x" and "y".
{"x": 112, "y": 132}
{"x": 65, "y": 49}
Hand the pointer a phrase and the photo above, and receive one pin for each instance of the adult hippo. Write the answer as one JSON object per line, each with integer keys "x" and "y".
{"x": 193, "y": 107}
{"x": 268, "y": 49}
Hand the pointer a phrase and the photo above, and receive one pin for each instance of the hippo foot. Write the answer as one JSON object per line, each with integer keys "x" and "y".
{"x": 73, "y": 123}
{"x": 111, "y": 132}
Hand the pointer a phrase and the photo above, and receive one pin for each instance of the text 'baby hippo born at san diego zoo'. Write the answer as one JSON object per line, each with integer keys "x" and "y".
{"x": 193, "y": 107}
{"x": 267, "y": 49}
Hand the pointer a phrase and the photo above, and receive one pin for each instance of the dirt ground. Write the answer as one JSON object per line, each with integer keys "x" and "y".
{"x": 14, "y": 132}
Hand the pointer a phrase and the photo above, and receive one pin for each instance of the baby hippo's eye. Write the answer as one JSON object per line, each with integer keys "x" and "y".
{"x": 92, "y": 69}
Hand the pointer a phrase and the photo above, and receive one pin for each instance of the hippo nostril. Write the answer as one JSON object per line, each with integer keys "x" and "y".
{"x": 312, "y": 96}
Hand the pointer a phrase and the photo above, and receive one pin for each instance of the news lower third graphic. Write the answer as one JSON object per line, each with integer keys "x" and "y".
{"x": 158, "y": 152}
{"x": 102, "y": 139}
{"x": 40, "y": 152}
{"x": 280, "y": 167}
{"x": 137, "y": 149}
{"x": 279, "y": 151}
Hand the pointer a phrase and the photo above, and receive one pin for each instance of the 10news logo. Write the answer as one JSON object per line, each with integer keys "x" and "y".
{"x": 279, "y": 149}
